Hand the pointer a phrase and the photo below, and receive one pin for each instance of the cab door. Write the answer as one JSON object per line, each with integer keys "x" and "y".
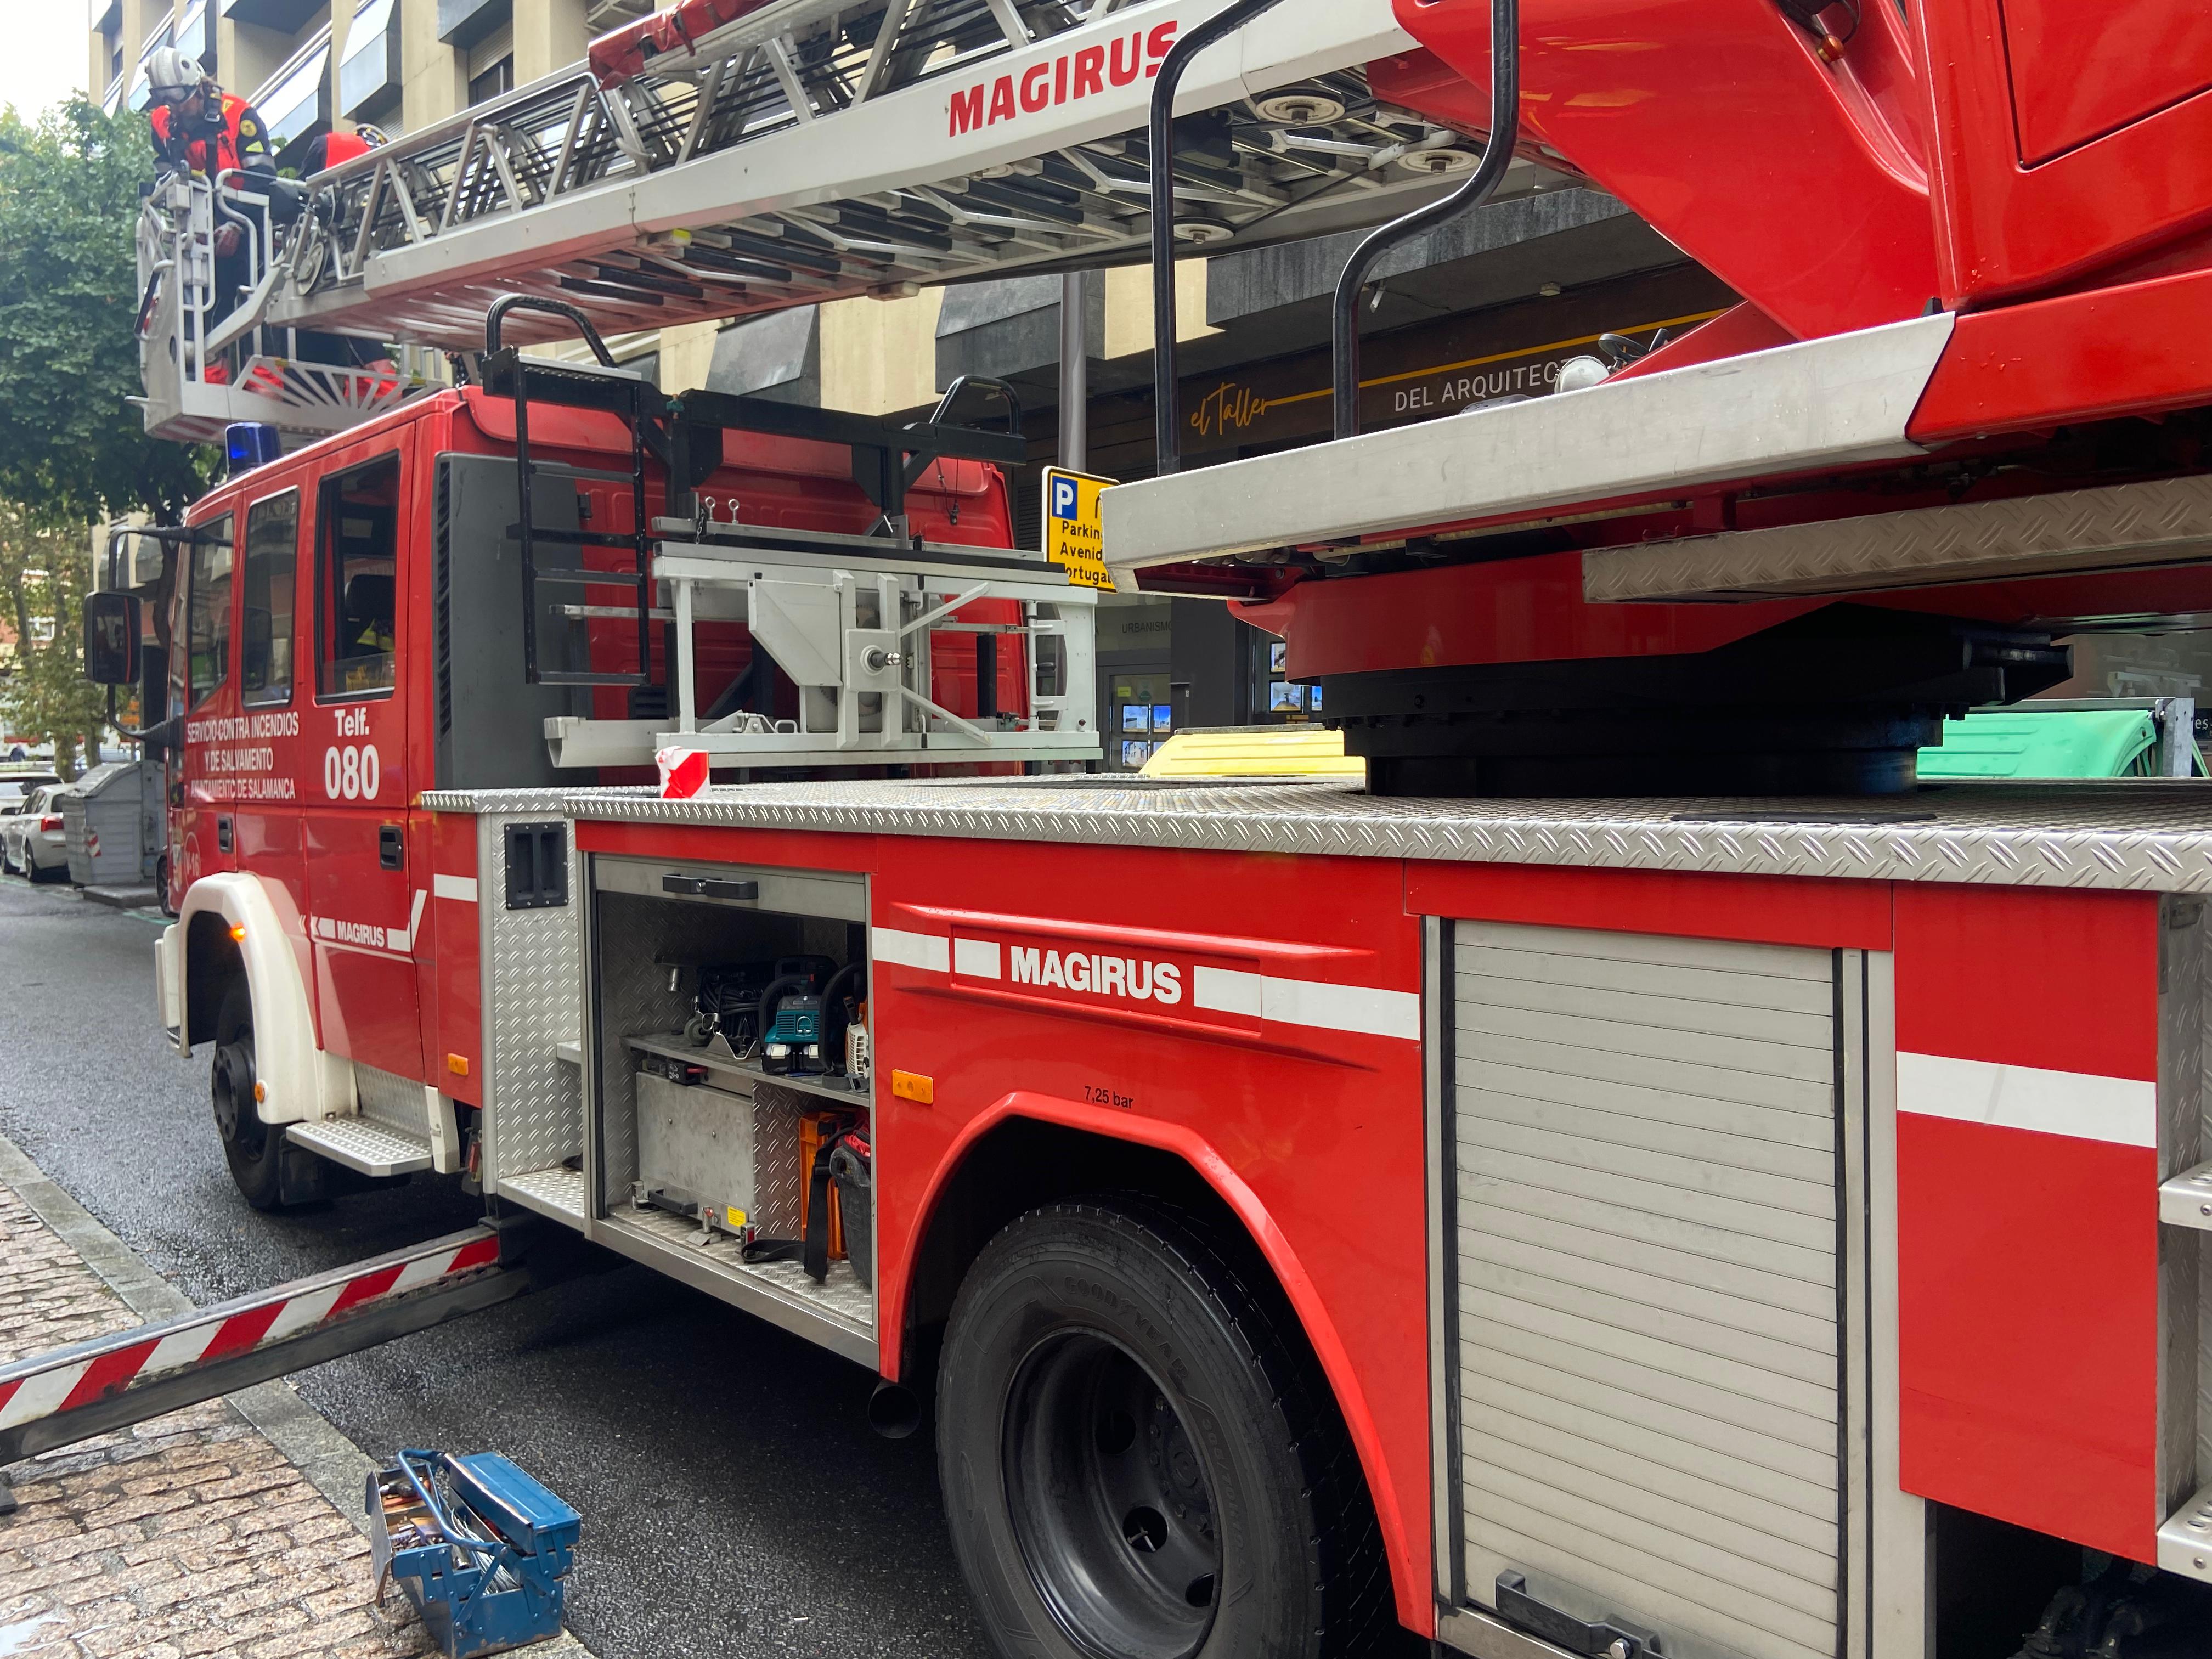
{"x": 367, "y": 906}
{"x": 204, "y": 689}
{"x": 263, "y": 757}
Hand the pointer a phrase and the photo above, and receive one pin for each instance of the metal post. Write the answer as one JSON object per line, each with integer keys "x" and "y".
{"x": 1074, "y": 374}
{"x": 686, "y": 712}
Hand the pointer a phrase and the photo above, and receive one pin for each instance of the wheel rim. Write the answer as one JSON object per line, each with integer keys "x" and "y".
{"x": 1111, "y": 1503}
{"x": 235, "y": 1119}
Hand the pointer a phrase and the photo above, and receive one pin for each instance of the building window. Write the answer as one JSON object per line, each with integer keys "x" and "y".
{"x": 494, "y": 83}
{"x": 359, "y": 597}
{"x": 142, "y": 91}
{"x": 208, "y": 620}
{"x": 369, "y": 74}
{"x": 272, "y": 563}
{"x": 196, "y": 34}
{"x": 293, "y": 101}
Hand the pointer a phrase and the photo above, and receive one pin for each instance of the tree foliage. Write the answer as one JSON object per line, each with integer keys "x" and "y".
{"x": 72, "y": 449}
{"x": 45, "y": 573}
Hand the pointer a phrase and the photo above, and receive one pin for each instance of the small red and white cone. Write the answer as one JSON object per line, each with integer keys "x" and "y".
{"x": 683, "y": 773}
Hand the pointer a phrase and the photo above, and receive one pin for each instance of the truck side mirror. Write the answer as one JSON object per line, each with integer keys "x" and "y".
{"x": 110, "y": 639}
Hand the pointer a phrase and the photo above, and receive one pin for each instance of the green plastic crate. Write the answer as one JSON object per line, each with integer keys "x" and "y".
{"x": 2060, "y": 742}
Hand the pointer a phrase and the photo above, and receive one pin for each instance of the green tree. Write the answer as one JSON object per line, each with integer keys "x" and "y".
{"x": 73, "y": 450}
{"x": 45, "y": 573}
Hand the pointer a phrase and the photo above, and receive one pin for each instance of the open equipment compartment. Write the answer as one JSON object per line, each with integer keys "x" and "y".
{"x": 721, "y": 999}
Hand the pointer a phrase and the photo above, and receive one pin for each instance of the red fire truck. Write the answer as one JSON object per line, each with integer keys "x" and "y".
{"x": 1641, "y": 1176}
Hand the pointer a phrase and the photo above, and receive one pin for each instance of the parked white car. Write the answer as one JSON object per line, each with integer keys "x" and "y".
{"x": 32, "y": 841}
{"x": 16, "y": 789}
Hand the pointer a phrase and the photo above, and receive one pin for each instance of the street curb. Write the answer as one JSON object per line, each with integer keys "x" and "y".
{"x": 122, "y": 898}
{"x": 333, "y": 1464}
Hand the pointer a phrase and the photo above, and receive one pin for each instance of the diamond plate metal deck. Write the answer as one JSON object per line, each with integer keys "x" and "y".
{"x": 2153, "y": 835}
{"x": 843, "y": 1298}
{"x": 395, "y": 1102}
{"x": 361, "y": 1145}
{"x": 532, "y": 981}
{"x": 558, "y": 1193}
{"x": 2126, "y": 526}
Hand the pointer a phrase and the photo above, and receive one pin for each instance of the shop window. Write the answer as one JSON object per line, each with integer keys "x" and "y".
{"x": 492, "y": 82}
{"x": 272, "y": 563}
{"x": 358, "y": 600}
{"x": 207, "y": 629}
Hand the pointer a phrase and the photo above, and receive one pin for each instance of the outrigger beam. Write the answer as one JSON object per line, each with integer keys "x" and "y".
{"x": 95, "y": 1387}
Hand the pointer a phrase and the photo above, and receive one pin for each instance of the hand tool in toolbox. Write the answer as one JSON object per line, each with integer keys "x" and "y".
{"x": 480, "y": 1547}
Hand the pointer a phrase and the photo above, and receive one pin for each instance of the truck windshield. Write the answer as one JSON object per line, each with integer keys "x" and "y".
{"x": 358, "y": 600}
{"x": 209, "y": 623}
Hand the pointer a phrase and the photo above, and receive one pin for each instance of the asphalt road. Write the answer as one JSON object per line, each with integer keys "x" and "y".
{"x": 735, "y": 1502}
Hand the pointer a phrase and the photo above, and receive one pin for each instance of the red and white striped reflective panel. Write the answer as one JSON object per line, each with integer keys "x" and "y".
{"x": 80, "y": 1380}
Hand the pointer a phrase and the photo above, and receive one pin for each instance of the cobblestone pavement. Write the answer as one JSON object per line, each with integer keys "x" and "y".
{"x": 190, "y": 1535}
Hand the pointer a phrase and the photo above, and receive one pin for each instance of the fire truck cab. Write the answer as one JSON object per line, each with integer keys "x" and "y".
{"x": 361, "y": 622}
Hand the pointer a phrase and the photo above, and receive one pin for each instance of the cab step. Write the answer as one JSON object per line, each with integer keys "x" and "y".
{"x": 374, "y": 1149}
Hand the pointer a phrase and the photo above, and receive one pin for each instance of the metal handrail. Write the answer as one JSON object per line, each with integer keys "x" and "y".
{"x": 496, "y": 317}
{"x": 1167, "y": 394}
{"x": 1497, "y": 156}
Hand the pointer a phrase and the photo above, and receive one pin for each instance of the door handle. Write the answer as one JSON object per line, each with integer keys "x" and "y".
{"x": 391, "y": 846}
{"x": 1600, "y": 1639}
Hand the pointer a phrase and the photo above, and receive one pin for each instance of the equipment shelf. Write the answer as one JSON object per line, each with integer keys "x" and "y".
{"x": 720, "y": 1060}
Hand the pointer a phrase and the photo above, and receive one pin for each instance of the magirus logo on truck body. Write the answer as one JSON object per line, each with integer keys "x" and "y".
{"x": 1097, "y": 973}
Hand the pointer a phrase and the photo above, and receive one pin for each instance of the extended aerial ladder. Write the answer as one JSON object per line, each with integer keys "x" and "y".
{"x": 800, "y": 151}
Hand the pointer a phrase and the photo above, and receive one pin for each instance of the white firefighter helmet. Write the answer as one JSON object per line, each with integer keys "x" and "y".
{"x": 172, "y": 75}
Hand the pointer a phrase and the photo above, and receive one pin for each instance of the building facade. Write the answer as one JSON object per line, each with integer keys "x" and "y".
{"x": 315, "y": 65}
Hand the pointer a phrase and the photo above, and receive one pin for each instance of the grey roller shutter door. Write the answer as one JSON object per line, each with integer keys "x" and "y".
{"x": 1646, "y": 1289}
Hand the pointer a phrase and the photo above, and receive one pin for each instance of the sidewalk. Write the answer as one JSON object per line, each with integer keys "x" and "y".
{"x": 228, "y": 1528}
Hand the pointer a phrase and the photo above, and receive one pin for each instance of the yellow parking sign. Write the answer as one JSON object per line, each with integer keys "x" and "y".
{"x": 1073, "y": 539}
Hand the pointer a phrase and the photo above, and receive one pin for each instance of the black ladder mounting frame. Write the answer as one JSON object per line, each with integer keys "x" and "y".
{"x": 506, "y": 373}
{"x": 684, "y": 434}
{"x": 888, "y": 457}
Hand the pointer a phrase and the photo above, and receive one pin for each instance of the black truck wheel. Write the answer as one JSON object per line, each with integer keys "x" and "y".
{"x": 250, "y": 1146}
{"x": 1136, "y": 1463}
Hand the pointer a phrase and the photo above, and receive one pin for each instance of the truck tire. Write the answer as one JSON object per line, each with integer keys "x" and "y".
{"x": 250, "y": 1146}
{"x": 1136, "y": 1462}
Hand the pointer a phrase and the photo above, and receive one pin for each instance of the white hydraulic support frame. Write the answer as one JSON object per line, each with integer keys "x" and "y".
{"x": 811, "y": 150}
{"x": 850, "y": 621}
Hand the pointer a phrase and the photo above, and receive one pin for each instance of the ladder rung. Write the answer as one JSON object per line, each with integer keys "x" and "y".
{"x": 579, "y": 537}
{"x": 589, "y": 578}
{"x": 562, "y": 469}
{"x": 563, "y": 677}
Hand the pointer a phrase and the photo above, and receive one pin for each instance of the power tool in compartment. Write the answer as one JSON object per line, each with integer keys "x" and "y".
{"x": 796, "y": 1016}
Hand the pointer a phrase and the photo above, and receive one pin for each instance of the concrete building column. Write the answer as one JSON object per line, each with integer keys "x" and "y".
{"x": 549, "y": 35}
{"x": 434, "y": 77}
{"x": 879, "y": 356}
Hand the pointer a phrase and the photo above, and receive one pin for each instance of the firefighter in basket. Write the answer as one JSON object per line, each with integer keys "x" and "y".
{"x": 199, "y": 127}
